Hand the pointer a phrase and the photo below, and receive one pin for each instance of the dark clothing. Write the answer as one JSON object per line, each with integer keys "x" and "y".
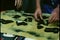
{"x": 47, "y": 6}
{"x": 7, "y": 5}
{"x": 29, "y": 5}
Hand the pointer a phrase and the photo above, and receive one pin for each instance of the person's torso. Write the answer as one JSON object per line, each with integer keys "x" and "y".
{"x": 52, "y": 3}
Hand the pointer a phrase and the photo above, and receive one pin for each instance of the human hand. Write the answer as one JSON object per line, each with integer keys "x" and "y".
{"x": 54, "y": 17}
{"x": 18, "y": 3}
{"x": 37, "y": 14}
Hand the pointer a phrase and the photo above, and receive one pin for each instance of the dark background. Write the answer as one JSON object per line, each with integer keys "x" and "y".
{"x": 27, "y": 6}
{"x": 7, "y": 5}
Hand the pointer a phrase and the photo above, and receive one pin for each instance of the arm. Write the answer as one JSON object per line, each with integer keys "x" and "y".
{"x": 37, "y": 3}
{"x": 38, "y": 10}
{"x": 57, "y": 9}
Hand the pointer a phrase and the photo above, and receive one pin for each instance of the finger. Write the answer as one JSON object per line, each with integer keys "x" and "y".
{"x": 56, "y": 18}
{"x": 50, "y": 19}
{"x": 35, "y": 15}
{"x": 53, "y": 19}
{"x": 41, "y": 16}
{"x": 18, "y": 3}
{"x": 15, "y": 2}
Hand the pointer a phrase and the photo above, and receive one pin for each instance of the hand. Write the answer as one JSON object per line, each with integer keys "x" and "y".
{"x": 54, "y": 17}
{"x": 37, "y": 14}
{"x": 18, "y": 3}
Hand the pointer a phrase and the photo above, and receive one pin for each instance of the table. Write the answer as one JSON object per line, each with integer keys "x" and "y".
{"x": 31, "y": 27}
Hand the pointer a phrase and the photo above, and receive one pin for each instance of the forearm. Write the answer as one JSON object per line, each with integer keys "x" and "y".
{"x": 57, "y": 9}
{"x": 37, "y": 3}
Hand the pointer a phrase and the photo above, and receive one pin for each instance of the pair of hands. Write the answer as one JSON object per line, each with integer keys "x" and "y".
{"x": 53, "y": 18}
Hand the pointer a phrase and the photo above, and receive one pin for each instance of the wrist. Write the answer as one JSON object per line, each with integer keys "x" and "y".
{"x": 57, "y": 9}
{"x": 38, "y": 8}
